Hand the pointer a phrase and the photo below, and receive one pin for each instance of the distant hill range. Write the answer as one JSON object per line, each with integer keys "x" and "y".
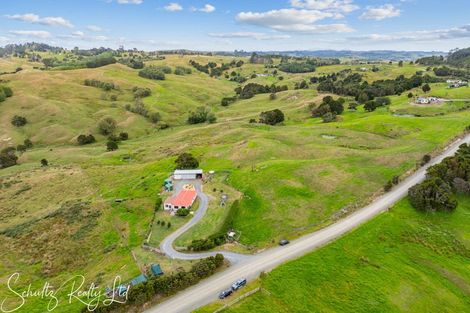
{"x": 373, "y": 55}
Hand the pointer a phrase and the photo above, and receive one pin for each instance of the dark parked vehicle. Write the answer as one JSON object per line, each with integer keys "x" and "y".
{"x": 238, "y": 284}
{"x": 283, "y": 242}
{"x": 224, "y": 294}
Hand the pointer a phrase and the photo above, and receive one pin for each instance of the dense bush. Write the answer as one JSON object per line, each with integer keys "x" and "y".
{"x": 19, "y": 121}
{"x": 5, "y": 92}
{"x": 99, "y": 84}
{"x": 100, "y": 60}
{"x": 135, "y": 63}
{"x": 272, "y": 117}
{"x": 329, "y": 105}
{"x": 298, "y": 67}
{"x": 186, "y": 161}
{"x": 8, "y": 157}
{"x": 180, "y": 70}
{"x": 201, "y": 115}
{"x": 228, "y": 100}
{"x": 152, "y": 72}
{"x": 432, "y": 195}
{"x": 111, "y": 145}
{"x": 252, "y": 89}
{"x": 141, "y": 92}
{"x": 85, "y": 139}
{"x": 107, "y": 126}
{"x": 182, "y": 212}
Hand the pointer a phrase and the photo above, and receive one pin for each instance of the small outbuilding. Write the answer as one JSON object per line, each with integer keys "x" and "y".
{"x": 187, "y": 174}
{"x": 156, "y": 270}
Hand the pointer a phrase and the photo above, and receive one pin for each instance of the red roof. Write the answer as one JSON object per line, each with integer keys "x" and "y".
{"x": 183, "y": 198}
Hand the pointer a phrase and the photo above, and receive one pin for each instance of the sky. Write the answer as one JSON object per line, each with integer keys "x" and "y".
{"x": 227, "y": 25}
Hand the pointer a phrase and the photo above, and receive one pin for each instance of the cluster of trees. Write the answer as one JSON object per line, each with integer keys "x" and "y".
{"x": 329, "y": 109}
{"x": 165, "y": 285}
{"x": 186, "y": 161}
{"x": 19, "y": 121}
{"x": 432, "y": 60}
{"x": 27, "y": 144}
{"x": 213, "y": 69}
{"x": 139, "y": 108}
{"x": 302, "y": 85}
{"x": 106, "y": 86}
{"x": 260, "y": 59}
{"x": 236, "y": 77}
{"x": 100, "y": 60}
{"x": 152, "y": 72}
{"x": 5, "y": 92}
{"x": 307, "y": 66}
{"x": 447, "y": 71}
{"x": 353, "y": 85}
{"x": 378, "y": 102}
{"x": 135, "y": 63}
{"x": 181, "y": 70}
{"x": 201, "y": 115}
{"x": 141, "y": 92}
{"x": 437, "y": 192}
{"x": 252, "y": 89}
{"x": 86, "y": 139}
{"x": 272, "y": 117}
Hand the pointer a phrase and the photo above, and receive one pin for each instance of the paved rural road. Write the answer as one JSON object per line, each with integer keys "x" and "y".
{"x": 166, "y": 245}
{"x": 207, "y": 291}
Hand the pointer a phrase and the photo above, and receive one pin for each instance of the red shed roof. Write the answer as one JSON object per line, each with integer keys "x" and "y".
{"x": 183, "y": 198}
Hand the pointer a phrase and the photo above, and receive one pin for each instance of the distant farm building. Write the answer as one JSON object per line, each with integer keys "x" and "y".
{"x": 427, "y": 100}
{"x": 156, "y": 270}
{"x": 187, "y": 174}
{"x": 183, "y": 200}
{"x": 457, "y": 83}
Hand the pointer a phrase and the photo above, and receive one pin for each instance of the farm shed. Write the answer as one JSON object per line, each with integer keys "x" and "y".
{"x": 187, "y": 174}
{"x": 156, "y": 270}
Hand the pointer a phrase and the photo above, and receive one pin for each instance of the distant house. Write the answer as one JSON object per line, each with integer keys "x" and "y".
{"x": 427, "y": 100}
{"x": 456, "y": 83}
{"x": 187, "y": 174}
{"x": 183, "y": 200}
{"x": 156, "y": 270}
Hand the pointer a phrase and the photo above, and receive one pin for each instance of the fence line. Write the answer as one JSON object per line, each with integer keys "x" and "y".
{"x": 249, "y": 293}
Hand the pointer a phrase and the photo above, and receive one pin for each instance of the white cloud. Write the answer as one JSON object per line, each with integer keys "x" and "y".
{"x": 293, "y": 20}
{"x": 36, "y": 19}
{"x": 344, "y": 6}
{"x": 94, "y": 28}
{"x": 173, "y": 7}
{"x": 250, "y": 35}
{"x": 420, "y": 35}
{"x": 208, "y": 8}
{"x": 130, "y": 1}
{"x": 381, "y": 12}
{"x": 32, "y": 33}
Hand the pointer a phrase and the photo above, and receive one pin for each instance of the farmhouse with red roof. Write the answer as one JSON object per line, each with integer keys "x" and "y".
{"x": 182, "y": 200}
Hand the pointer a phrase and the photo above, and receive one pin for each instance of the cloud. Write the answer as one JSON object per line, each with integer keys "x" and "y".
{"x": 249, "y": 35}
{"x": 293, "y": 20}
{"x": 344, "y": 6}
{"x": 208, "y": 8}
{"x": 381, "y": 12}
{"x": 94, "y": 28}
{"x": 173, "y": 7}
{"x": 130, "y": 1}
{"x": 32, "y": 33}
{"x": 36, "y": 19}
{"x": 420, "y": 35}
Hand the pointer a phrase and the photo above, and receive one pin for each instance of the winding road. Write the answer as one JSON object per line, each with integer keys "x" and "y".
{"x": 251, "y": 266}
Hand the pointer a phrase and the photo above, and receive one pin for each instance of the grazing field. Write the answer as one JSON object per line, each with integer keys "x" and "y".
{"x": 290, "y": 179}
{"x": 402, "y": 261}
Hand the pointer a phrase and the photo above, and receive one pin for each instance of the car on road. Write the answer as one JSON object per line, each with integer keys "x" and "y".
{"x": 238, "y": 284}
{"x": 224, "y": 294}
{"x": 284, "y": 242}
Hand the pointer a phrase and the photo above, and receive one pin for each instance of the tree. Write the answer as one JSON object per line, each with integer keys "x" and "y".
{"x": 410, "y": 95}
{"x": 182, "y": 212}
{"x": 186, "y": 161}
{"x": 400, "y": 64}
{"x": 19, "y": 121}
{"x": 123, "y": 136}
{"x": 370, "y": 106}
{"x": 329, "y": 117}
{"x": 201, "y": 115}
{"x": 432, "y": 195}
{"x": 85, "y": 139}
{"x": 272, "y": 117}
{"x": 155, "y": 117}
{"x": 363, "y": 98}
{"x": 107, "y": 126}
{"x": 111, "y": 146}
{"x": 426, "y": 88}
{"x": 44, "y": 162}
{"x": 28, "y": 143}
{"x": 8, "y": 157}
{"x": 426, "y": 159}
